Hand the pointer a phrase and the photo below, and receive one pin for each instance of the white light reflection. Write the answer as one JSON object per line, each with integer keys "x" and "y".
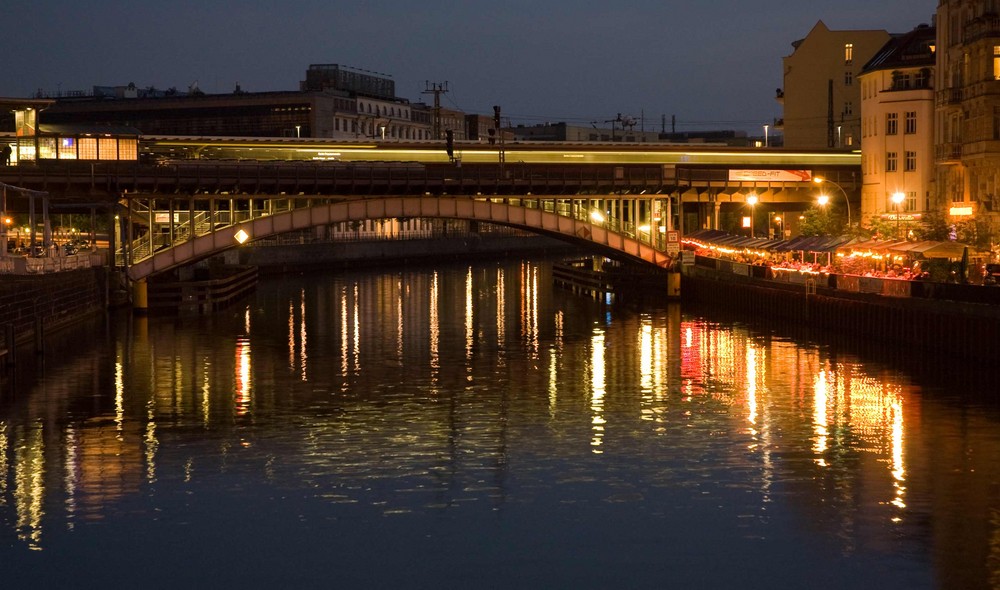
{"x": 646, "y": 367}
{"x": 752, "y": 386}
{"x": 357, "y": 332}
{"x": 598, "y": 386}
{"x": 150, "y": 442}
{"x": 72, "y": 474}
{"x": 4, "y": 466}
{"x": 119, "y": 393}
{"x": 820, "y": 420}
{"x": 555, "y": 353}
{"x": 303, "y": 357}
{"x": 501, "y": 311}
{"x": 469, "y": 326}
{"x": 435, "y": 331}
{"x": 243, "y": 386}
{"x": 246, "y": 320}
{"x": 291, "y": 336}
{"x": 29, "y": 485}
{"x": 344, "y": 342}
{"x": 206, "y": 390}
{"x": 898, "y": 467}
{"x": 529, "y": 307}
{"x": 399, "y": 322}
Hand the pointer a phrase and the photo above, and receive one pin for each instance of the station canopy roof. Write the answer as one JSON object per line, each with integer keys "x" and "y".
{"x": 924, "y": 248}
{"x": 717, "y": 237}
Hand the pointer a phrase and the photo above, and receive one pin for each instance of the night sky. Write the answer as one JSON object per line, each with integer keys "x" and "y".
{"x": 714, "y": 63}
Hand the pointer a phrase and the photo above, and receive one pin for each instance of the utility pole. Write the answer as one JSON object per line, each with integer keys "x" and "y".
{"x": 437, "y": 89}
{"x": 496, "y": 125}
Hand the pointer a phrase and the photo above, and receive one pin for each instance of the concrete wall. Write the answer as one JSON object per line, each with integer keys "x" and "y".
{"x": 57, "y": 300}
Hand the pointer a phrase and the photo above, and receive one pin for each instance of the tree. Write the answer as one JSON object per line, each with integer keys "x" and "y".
{"x": 974, "y": 232}
{"x": 880, "y": 228}
{"x": 932, "y": 226}
{"x": 817, "y": 222}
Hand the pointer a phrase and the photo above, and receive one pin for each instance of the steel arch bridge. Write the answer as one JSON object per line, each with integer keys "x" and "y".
{"x": 630, "y": 228}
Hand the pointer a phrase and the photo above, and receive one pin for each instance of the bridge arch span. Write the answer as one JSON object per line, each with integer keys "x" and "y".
{"x": 541, "y": 221}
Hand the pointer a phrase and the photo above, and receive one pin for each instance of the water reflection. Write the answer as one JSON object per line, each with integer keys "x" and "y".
{"x": 435, "y": 397}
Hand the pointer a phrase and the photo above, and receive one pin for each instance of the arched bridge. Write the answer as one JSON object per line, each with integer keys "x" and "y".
{"x": 632, "y": 228}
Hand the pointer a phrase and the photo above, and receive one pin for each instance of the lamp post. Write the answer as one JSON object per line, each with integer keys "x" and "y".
{"x": 7, "y": 222}
{"x": 821, "y": 180}
{"x": 752, "y": 201}
{"x": 897, "y": 199}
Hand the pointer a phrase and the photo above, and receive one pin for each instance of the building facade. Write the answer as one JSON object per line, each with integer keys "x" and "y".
{"x": 333, "y": 102}
{"x": 897, "y": 129}
{"x": 820, "y": 94}
{"x": 968, "y": 112}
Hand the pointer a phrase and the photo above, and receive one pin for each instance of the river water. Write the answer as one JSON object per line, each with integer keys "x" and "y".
{"x": 472, "y": 426}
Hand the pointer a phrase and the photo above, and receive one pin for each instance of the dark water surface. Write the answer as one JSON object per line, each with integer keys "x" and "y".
{"x": 472, "y": 427}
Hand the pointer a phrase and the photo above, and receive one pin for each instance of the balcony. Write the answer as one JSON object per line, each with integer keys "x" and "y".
{"x": 948, "y": 152}
{"x": 949, "y": 96}
{"x": 987, "y": 88}
{"x": 985, "y": 26}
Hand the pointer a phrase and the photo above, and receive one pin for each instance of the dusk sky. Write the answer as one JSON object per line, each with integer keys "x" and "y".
{"x": 714, "y": 64}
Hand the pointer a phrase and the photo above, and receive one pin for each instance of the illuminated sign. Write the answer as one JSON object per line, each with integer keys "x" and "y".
{"x": 960, "y": 211}
{"x": 770, "y": 175}
{"x": 746, "y": 222}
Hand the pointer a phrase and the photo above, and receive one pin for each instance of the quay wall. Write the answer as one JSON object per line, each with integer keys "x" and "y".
{"x": 950, "y": 328}
{"x": 34, "y": 306}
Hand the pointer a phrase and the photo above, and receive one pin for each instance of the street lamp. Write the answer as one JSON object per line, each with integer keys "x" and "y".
{"x": 898, "y": 199}
{"x": 752, "y": 201}
{"x": 7, "y": 221}
{"x": 821, "y": 180}
{"x": 765, "y": 135}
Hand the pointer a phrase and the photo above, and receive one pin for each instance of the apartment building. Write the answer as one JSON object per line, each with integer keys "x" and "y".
{"x": 820, "y": 94}
{"x": 897, "y": 128}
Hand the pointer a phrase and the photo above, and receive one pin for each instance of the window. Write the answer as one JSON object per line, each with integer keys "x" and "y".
{"x": 848, "y": 54}
{"x": 848, "y": 78}
{"x": 848, "y": 108}
{"x": 911, "y": 161}
{"x": 996, "y": 62}
{"x": 911, "y": 122}
{"x": 891, "y": 123}
{"x": 922, "y": 78}
{"x": 890, "y": 161}
{"x": 911, "y": 201}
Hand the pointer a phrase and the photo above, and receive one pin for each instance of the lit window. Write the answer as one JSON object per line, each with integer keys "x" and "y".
{"x": 996, "y": 62}
{"x": 848, "y": 54}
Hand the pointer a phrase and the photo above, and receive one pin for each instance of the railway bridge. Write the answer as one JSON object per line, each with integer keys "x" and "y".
{"x": 189, "y": 198}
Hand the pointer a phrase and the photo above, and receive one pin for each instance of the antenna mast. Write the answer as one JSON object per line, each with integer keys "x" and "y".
{"x": 437, "y": 89}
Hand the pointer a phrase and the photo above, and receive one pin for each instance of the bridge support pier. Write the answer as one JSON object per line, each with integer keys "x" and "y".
{"x": 673, "y": 284}
{"x": 140, "y": 296}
